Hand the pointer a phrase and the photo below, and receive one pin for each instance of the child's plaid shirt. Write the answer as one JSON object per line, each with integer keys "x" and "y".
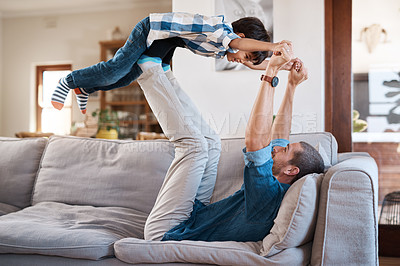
{"x": 203, "y": 35}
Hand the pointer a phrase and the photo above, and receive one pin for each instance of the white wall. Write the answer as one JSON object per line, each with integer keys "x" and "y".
{"x": 28, "y": 42}
{"x": 225, "y": 98}
{"x": 387, "y": 14}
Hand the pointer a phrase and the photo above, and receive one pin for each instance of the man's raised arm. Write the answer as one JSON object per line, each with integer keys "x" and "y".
{"x": 283, "y": 120}
{"x": 258, "y": 130}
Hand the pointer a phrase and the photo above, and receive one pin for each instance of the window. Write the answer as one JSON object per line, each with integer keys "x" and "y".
{"x": 49, "y": 119}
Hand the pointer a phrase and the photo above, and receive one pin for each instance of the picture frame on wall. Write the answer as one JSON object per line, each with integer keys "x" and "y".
{"x": 233, "y": 10}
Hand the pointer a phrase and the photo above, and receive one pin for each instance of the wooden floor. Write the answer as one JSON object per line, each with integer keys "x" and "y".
{"x": 386, "y": 261}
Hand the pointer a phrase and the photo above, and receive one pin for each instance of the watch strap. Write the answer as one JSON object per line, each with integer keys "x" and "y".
{"x": 266, "y": 78}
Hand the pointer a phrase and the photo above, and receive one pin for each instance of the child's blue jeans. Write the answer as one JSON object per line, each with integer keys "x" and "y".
{"x": 117, "y": 72}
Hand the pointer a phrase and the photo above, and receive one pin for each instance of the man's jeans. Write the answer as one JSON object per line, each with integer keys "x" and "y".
{"x": 193, "y": 171}
{"x": 117, "y": 72}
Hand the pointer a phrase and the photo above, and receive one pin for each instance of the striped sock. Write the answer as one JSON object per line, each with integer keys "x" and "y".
{"x": 145, "y": 62}
{"x": 60, "y": 94}
{"x": 82, "y": 98}
{"x": 166, "y": 67}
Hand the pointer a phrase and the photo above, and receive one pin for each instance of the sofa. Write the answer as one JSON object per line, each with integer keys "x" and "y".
{"x": 83, "y": 201}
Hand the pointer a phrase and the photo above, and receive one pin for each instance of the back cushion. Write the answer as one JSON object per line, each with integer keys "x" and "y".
{"x": 98, "y": 172}
{"x": 326, "y": 141}
{"x": 230, "y": 169}
{"x": 129, "y": 174}
{"x": 19, "y": 163}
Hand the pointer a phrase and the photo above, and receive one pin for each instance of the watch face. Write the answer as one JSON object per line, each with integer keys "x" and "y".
{"x": 275, "y": 81}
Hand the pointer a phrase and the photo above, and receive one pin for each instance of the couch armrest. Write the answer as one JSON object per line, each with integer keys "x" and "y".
{"x": 347, "y": 227}
{"x": 347, "y": 155}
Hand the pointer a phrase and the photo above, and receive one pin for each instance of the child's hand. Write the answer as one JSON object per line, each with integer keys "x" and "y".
{"x": 287, "y": 45}
{"x": 283, "y": 54}
{"x": 277, "y": 44}
{"x": 287, "y": 42}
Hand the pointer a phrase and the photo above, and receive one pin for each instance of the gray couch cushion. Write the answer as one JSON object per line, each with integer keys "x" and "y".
{"x": 230, "y": 169}
{"x": 6, "y": 208}
{"x": 57, "y": 229}
{"x": 130, "y": 173}
{"x": 19, "y": 162}
{"x": 42, "y": 260}
{"x": 295, "y": 223}
{"x": 103, "y": 173}
{"x": 132, "y": 250}
{"x": 325, "y": 139}
{"x": 138, "y": 251}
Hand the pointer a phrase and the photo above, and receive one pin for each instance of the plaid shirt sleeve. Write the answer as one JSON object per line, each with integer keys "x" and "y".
{"x": 203, "y": 35}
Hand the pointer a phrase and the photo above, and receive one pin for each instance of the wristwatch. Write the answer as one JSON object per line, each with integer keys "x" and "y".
{"x": 273, "y": 80}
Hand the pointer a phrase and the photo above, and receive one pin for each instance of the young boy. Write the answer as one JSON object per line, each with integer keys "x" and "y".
{"x": 246, "y": 41}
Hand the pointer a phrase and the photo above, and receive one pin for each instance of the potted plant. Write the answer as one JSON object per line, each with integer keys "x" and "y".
{"x": 359, "y": 125}
{"x": 108, "y": 124}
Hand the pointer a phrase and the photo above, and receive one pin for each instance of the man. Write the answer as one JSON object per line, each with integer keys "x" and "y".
{"x": 182, "y": 209}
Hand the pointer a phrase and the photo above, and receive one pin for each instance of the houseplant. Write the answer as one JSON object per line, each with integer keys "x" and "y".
{"x": 108, "y": 124}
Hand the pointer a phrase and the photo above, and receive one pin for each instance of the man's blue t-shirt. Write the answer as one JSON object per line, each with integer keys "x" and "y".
{"x": 248, "y": 214}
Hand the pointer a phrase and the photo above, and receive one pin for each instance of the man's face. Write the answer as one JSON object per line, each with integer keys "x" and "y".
{"x": 282, "y": 155}
{"x": 239, "y": 57}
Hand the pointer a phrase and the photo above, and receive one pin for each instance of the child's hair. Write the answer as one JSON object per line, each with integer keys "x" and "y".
{"x": 253, "y": 28}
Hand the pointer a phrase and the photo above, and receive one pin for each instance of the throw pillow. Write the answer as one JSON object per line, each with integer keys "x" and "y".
{"x": 295, "y": 222}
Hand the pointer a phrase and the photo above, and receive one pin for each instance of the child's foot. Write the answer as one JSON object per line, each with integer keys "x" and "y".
{"x": 60, "y": 94}
{"x": 82, "y": 98}
{"x": 145, "y": 62}
{"x": 166, "y": 67}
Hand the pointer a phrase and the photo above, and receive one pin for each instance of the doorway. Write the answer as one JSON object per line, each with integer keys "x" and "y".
{"x": 376, "y": 87}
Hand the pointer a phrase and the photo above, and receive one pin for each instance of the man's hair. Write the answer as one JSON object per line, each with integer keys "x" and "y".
{"x": 308, "y": 160}
{"x": 253, "y": 28}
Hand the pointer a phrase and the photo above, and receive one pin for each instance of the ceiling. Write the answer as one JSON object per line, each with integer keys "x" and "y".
{"x": 18, "y": 8}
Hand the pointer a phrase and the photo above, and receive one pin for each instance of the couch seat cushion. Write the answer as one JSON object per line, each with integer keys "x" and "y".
{"x": 295, "y": 222}
{"x": 19, "y": 163}
{"x": 58, "y": 229}
{"x": 132, "y": 250}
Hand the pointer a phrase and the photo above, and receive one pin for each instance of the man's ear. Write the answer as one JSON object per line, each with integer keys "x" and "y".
{"x": 241, "y": 35}
{"x": 291, "y": 170}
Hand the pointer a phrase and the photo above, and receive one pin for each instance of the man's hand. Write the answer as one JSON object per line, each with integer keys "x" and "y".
{"x": 282, "y": 55}
{"x": 289, "y": 65}
{"x": 298, "y": 73}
